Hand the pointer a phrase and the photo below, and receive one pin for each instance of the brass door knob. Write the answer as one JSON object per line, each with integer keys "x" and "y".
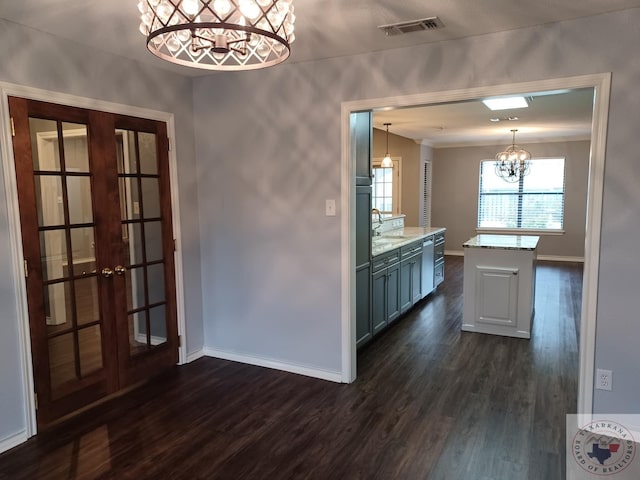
{"x": 119, "y": 270}
{"x": 107, "y": 272}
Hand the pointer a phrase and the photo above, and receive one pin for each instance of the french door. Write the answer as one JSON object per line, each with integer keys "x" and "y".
{"x": 95, "y": 212}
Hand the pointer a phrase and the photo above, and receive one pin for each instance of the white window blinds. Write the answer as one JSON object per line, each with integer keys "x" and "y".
{"x": 536, "y": 202}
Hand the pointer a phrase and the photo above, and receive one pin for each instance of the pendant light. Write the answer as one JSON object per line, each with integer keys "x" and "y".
{"x": 386, "y": 161}
{"x": 219, "y": 34}
{"x": 513, "y": 163}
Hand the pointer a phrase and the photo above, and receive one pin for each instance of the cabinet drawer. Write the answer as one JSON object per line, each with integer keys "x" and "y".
{"x": 410, "y": 250}
{"x": 438, "y": 274}
{"x": 386, "y": 259}
{"x": 438, "y": 249}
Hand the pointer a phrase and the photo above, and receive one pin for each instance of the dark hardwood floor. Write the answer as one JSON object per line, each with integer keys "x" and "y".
{"x": 430, "y": 402}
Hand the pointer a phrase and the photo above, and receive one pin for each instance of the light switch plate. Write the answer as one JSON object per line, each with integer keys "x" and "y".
{"x": 330, "y": 208}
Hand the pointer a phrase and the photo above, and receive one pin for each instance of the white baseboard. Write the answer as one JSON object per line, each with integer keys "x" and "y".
{"x": 550, "y": 258}
{"x": 274, "y": 364}
{"x": 560, "y": 258}
{"x": 13, "y": 441}
{"x": 193, "y": 356}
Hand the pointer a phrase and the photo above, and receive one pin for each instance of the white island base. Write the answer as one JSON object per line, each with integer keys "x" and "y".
{"x": 499, "y": 284}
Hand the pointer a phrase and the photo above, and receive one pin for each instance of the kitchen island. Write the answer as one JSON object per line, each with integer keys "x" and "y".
{"x": 499, "y": 284}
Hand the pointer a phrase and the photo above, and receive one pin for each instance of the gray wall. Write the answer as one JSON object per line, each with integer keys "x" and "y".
{"x": 267, "y": 145}
{"x": 268, "y": 150}
{"x": 455, "y": 193}
{"x": 35, "y": 59}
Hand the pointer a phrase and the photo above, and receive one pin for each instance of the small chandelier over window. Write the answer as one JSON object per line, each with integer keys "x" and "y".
{"x": 386, "y": 161}
{"x": 513, "y": 163}
{"x": 219, "y": 34}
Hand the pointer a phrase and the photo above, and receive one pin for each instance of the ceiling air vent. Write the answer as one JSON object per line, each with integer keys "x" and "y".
{"x": 401, "y": 28}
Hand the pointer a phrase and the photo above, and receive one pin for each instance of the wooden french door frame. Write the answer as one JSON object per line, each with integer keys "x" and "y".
{"x": 15, "y": 268}
{"x": 81, "y": 315}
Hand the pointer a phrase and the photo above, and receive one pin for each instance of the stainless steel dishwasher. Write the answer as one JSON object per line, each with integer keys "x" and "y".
{"x": 427, "y": 266}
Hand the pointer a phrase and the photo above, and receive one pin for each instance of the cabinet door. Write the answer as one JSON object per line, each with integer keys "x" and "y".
{"x": 363, "y": 306}
{"x": 361, "y": 138}
{"x": 416, "y": 279}
{"x": 496, "y": 299}
{"x": 393, "y": 292}
{"x": 438, "y": 274}
{"x": 378, "y": 301}
{"x": 363, "y": 225}
{"x": 406, "y": 268}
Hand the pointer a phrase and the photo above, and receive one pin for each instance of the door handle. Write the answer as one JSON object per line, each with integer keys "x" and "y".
{"x": 107, "y": 272}
{"x": 119, "y": 270}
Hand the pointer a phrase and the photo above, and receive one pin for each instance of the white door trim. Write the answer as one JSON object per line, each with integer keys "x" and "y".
{"x": 15, "y": 235}
{"x": 602, "y": 84}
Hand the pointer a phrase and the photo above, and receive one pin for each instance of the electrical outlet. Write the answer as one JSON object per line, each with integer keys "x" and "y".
{"x": 604, "y": 379}
{"x": 330, "y": 208}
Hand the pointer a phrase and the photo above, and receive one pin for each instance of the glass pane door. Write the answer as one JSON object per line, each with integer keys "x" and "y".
{"x": 95, "y": 214}
{"x": 142, "y": 239}
{"x": 66, "y": 231}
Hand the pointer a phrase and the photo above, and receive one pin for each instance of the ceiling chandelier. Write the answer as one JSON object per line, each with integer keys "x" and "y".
{"x": 513, "y": 163}
{"x": 219, "y": 34}
{"x": 386, "y": 161}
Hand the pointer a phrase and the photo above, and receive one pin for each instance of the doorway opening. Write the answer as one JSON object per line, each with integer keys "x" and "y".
{"x": 601, "y": 86}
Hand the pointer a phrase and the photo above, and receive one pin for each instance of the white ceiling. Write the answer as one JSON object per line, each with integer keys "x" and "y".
{"x": 331, "y": 28}
{"x": 550, "y": 116}
{"x": 324, "y": 28}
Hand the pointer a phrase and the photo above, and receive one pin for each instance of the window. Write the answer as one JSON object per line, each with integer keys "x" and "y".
{"x": 536, "y": 202}
{"x": 386, "y": 189}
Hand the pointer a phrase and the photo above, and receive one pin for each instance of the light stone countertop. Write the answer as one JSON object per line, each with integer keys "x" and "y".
{"x": 400, "y": 237}
{"x": 505, "y": 242}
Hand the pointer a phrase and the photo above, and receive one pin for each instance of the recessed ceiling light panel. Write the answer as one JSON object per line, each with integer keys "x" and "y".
{"x": 505, "y": 103}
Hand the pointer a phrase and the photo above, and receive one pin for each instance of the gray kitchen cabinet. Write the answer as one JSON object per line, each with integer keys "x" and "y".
{"x": 410, "y": 275}
{"x": 403, "y": 276}
{"x": 361, "y": 129}
{"x": 378, "y": 301}
{"x": 405, "y": 286}
{"x": 438, "y": 259}
{"x": 416, "y": 279}
{"x": 364, "y": 330}
{"x": 393, "y": 292}
{"x": 385, "y": 289}
{"x": 363, "y": 225}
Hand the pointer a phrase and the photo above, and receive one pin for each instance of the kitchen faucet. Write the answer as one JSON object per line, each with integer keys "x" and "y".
{"x": 375, "y": 229}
